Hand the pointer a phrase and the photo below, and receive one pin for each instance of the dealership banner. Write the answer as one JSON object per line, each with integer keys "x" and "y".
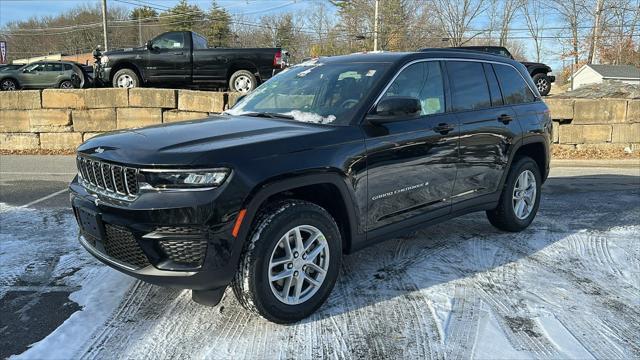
{"x": 3, "y": 52}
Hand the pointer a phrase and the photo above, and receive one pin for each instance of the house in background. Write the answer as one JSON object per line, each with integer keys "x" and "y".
{"x": 595, "y": 74}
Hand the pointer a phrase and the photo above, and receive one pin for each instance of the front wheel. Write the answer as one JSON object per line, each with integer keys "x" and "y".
{"x": 8, "y": 85}
{"x": 542, "y": 83}
{"x": 67, "y": 84}
{"x": 125, "y": 78}
{"x": 520, "y": 198}
{"x": 243, "y": 81}
{"x": 290, "y": 263}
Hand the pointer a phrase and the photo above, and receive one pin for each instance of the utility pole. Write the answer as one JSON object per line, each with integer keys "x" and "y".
{"x": 139, "y": 31}
{"x": 104, "y": 24}
{"x": 375, "y": 28}
{"x": 596, "y": 32}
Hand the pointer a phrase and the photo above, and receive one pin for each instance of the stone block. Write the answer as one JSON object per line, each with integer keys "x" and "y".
{"x": 560, "y": 109}
{"x": 138, "y": 117}
{"x": 202, "y": 101}
{"x": 106, "y": 98}
{"x": 14, "y": 121}
{"x": 94, "y": 120}
{"x": 633, "y": 111}
{"x": 88, "y": 135}
{"x": 19, "y": 141}
{"x": 20, "y": 100}
{"x": 555, "y": 131}
{"x": 160, "y": 98}
{"x": 175, "y": 115}
{"x": 60, "y": 141}
{"x": 63, "y": 98}
{"x": 232, "y": 99}
{"x": 600, "y": 111}
{"x": 626, "y": 133}
{"x": 581, "y": 134}
{"x": 50, "y": 120}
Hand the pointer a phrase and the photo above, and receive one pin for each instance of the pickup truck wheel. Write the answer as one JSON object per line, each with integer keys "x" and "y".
{"x": 290, "y": 262}
{"x": 520, "y": 197}
{"x": 542, "y": 83}
{"x": 243, "y": 81}
{"x": 125, "y": 78}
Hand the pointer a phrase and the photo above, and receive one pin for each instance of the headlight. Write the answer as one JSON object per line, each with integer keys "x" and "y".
{"x": 184, "y": 179}
{"x": 104, "y": 59}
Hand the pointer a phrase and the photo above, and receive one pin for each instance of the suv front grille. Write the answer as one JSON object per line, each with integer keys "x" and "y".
{"x": 114, "y": 181}
{"x": 120, "y": 244}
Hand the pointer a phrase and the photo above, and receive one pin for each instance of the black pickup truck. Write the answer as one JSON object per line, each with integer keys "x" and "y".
{"x": 182, "y": 58}
{"x": 334, "y": 155}
{"x": 539, "y": 72}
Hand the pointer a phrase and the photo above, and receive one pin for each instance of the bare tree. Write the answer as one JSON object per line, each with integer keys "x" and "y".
{"x": 534, "y": 11}
{"x": 572, "y": 15}
{"x": 509, "y": 9}
{"x": 456, "y": 17}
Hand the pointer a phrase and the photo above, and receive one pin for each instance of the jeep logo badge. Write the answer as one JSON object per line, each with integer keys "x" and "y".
{"x": 99, "y": 150}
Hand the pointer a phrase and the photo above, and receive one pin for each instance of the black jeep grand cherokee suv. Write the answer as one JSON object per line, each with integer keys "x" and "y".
{"x": 325, "y": 158}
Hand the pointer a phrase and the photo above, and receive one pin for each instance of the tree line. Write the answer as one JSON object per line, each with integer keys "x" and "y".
{"x": 577, "y": 31}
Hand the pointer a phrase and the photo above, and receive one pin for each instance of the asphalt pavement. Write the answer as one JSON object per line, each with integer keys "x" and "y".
{"x": 567, "y": 287}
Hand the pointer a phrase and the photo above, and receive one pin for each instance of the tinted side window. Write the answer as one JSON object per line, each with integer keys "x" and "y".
{"x": 469, "y": 89}
{"x": 422, "y": 80}
{"x": 514, "y": 88}
{"x": 494, "y": 88}
{"x": 67, "y": 67}
{"x": 54, "y": 67}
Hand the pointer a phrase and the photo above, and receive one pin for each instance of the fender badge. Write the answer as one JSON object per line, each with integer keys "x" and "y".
{"x": 99, "y": 150}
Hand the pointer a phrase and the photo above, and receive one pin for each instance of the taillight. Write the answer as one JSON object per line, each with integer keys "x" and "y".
{"x": 277, "y": 59}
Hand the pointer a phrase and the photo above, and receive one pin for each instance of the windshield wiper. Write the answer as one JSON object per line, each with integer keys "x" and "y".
{"x": 270, "y": 115}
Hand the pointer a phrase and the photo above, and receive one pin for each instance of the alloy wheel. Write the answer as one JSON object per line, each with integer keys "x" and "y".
{"x": 524, "y": 194}
{"x": 298, "y": 264}
{"x": 542, "y": 85}
{"x": 8, "y": 85}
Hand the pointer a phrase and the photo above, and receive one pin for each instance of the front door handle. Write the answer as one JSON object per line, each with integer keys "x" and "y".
{"x": 443, "y": 128}
{"x": 505, "y": 119}
{"x": 177, "y": 53}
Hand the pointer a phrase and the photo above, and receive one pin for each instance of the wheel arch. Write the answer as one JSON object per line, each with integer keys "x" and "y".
{"x": 328, "y": 190}
{"x": 18, "y": 86}
{"x": 242, "y": 65}
{"x": 538, "y": 70}
{"x": 537, "y": 148}
{"x": 125, "y": 65}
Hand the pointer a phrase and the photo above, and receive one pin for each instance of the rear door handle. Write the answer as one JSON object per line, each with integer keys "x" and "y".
{"x": 505, "y": 119}
{"x": 177, "y": 53}
{"x": 443, "y": 128}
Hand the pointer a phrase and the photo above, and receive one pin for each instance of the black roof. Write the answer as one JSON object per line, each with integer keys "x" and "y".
{"x": 616, "y": 71}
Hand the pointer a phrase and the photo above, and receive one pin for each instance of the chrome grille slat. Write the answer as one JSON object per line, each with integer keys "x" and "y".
{"x": 107, "y": 179}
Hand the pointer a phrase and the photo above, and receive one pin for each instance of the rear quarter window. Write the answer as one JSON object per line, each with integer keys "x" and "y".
{"x": 514, "y": 88}
{"x": 469, "y": 90}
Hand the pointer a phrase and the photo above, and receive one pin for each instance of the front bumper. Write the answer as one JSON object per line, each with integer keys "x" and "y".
{"x": 551, "y": 78}
{"x": 177, "y": 240}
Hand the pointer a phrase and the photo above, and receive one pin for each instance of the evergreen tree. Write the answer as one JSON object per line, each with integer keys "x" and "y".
{"x": 182, "y": 17}
{"x": 218, "y": 30}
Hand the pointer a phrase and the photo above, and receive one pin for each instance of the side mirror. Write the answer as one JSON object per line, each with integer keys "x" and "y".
{"x": 148, "y": 45}
{"x": 397, "y": 108}
{"x": 25, "y": 70}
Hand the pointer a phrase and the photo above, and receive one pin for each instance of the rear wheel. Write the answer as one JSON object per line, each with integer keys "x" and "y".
{"x": 520, "y": 197}
{"x": 542, "y": 83}
{"x": 66, "y": 84}
{"x": 8, "y": 85}
{"x": 290, "y": 263}
{"x": 242, "y": 81}
{"x": 125, "y": 78}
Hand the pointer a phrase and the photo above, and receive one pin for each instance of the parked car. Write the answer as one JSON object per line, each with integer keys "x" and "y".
{"x": 44, "y": 74}
{"x": 328, "y": 157}
{"x": 539, "y": 72}
{"x": 182, "y": 58}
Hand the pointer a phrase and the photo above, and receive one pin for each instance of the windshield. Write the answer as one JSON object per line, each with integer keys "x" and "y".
{"x": 313, "y": 92}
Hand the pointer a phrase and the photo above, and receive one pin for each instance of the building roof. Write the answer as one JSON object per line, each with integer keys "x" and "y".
{"x": 616, "y": 71}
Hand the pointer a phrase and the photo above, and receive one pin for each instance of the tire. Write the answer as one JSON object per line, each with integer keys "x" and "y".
{"x": 252, "y": 285}
{"x": 66, "y": 84}
{"x": 505, "y": 216}
{"x": 8, "y": 85}
{"x": 542, "y": 83}
{"x": 125, "y": 78}
{"x": 243, "y": 81}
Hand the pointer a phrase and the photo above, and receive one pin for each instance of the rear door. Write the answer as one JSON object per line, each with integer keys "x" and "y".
{"x": 488, "y": 128}
{"x": 169, "y": 59}
{"x": 411, "y": 165}
{"x": 52, "y": 74}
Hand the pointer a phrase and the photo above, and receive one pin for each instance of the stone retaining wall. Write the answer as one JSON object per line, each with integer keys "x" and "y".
{"x": 56, "y": 119}
{"x": 62, "y": 119}
{"x": 595, "y": 123}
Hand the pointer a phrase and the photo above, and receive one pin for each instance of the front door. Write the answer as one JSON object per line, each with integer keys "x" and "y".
{"x": 32, "y": 76}
{"x": 411, "y": 165}
{"x": 169, "y": 58}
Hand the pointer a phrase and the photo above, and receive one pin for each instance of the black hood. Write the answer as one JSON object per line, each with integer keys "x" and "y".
{"x": 123, "y": 51}
{"x": 219, "y": 139}
{"x": 535, "y": 65}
